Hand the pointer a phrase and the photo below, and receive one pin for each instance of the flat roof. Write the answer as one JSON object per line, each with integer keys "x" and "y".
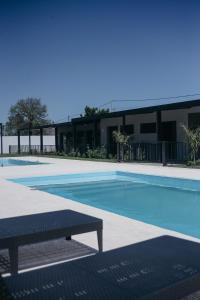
{"x": 52, "y": 125}
{"x": 141, "y": 110}
{"x": 134, "y": 111}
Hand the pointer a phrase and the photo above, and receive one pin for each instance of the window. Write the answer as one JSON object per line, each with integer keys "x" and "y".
{"x": 148, "y": 128}
{"x": 193, "y": 120}
{"x": 127, "y": 129}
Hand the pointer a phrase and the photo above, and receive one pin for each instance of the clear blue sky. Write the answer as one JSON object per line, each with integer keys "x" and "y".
{"x": 78, "y": 52}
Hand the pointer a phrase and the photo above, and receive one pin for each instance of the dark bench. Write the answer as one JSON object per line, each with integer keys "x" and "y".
{"x": 164, "y": 268}
{"x": 30, "y": 229}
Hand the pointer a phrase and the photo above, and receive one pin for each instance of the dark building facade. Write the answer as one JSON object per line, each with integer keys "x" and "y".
{"x": 147, "y": 125}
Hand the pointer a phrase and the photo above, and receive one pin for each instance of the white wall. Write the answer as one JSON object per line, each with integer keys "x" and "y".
{"x": 136, "y": 120}
{"x": 35, "y": 140}
{"x": 181, "y": 117}
{"x": 105, "y": 123}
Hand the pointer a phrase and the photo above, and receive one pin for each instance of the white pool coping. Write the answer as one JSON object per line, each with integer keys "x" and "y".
{"x": 16, "y": 200}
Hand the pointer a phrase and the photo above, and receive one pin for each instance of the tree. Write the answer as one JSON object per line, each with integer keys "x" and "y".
{"x": 121, "y": 140}
{"x": 193, "y": 137}
{"x": 26, "y": 113}
{"x": 93, "y": 111}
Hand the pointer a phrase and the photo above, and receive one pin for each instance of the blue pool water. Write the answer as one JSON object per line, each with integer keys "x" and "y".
{"x": 6, "y": 162}
{"x": 166, "y": 202}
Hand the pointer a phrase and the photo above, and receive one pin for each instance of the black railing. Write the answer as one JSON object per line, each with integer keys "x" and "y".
{"x": 34, "y": 149}
{"x": 163, "y": 152}
{"x": 143, "y": 152}
{"x": 176, "y": 152}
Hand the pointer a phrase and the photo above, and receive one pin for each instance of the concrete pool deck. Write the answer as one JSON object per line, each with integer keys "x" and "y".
{"x": 16, "y": 200}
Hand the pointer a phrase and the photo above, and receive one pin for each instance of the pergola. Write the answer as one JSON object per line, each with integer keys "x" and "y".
{"x": 84, "y": 121}
{"x": 1, "y": 134}
{"x": 41, "y": 129}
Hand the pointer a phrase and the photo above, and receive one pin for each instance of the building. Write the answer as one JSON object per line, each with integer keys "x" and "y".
{"x": 147, "y": 124}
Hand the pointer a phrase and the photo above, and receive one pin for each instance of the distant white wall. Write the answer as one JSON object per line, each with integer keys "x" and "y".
{"x": 178, "y": 115}
{"x": 181, "y": 117}
{"x": 35, "y": 140}
{"x": 136, "y": 120}
{"x": 105, "y": 123}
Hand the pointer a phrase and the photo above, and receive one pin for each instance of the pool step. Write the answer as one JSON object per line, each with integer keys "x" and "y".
{"x": 97, "y": 188}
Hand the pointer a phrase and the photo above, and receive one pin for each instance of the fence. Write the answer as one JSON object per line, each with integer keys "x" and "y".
{"x": 34, "y": 149}
{"x": 35, "y": 140}
{"x": 143, "y": 152}
{"x": 163, "y": 152}
{"x": 176, "y": 152}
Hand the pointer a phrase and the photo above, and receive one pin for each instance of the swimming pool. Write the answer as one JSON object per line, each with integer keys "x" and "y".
{"x": 170, "y": 203}
{"x": 6, "y": 162}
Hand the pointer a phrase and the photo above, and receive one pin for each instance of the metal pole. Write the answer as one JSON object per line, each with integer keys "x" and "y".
{"x": 164, "y": 161}
{"x": 159, "y": 125}
{"x": 1, "y": 125}
{"x": 56, "y": 139}
{"x": 41, "y": 140}
{"x": 74, "y": 137}
{"x": 29, "y": 140}
{"x": 18, "y": 141}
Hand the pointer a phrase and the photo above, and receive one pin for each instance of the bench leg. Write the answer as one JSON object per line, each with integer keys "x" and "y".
{"x": 13, "y": 253}
{"x": 100, "y": 239}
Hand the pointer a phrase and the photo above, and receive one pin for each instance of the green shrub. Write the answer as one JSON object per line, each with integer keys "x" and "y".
{"x": 72, "y": 153}
{"x": 78, "y": 154}
{"x": 99, "y": 152}
{"x": 193, "y": 137}
{"x": 59, "y": 153}
{"x": 110, "y": 156}
{"x": 192, "y": 163}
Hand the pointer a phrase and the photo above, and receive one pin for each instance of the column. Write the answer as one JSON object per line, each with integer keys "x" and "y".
{"x": 74, "y": 136}
{"x": 29, "y": 140}
{"x": 18, "y": 141}
{"x": 41, "y": 140}
{"x": 1, "y": 138}
{"x": 123, "y": 123}
{"x": 159, "y": 125}
{"x": 56, "y": 139}
{"x": 95, "y": 133}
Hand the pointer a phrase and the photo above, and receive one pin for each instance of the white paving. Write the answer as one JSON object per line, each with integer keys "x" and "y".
{"x": 119, "y": 231}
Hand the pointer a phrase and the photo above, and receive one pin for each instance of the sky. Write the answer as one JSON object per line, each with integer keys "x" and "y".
{"x": 88, "y": 52}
